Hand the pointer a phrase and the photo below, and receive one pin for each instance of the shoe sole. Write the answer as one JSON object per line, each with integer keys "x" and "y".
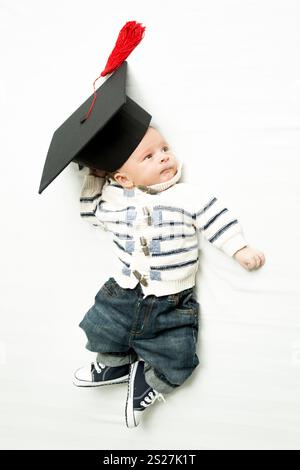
{"x": 82, "y": 383}
{"x": 129, "y": 414}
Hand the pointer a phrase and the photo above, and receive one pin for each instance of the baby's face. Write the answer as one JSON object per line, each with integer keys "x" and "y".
{"x": 151, "y": 162}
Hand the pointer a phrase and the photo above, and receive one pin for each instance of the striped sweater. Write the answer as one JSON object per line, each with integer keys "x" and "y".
{"x": 156, "y": 230}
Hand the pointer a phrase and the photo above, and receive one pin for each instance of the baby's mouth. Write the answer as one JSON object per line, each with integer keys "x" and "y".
{"x": 166, "y": 169}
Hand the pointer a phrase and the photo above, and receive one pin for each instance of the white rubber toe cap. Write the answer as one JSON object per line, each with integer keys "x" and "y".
{"x": 84, "y": 374}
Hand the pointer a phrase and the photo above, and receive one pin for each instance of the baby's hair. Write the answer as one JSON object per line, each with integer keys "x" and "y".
{"x": 111, "y": 174}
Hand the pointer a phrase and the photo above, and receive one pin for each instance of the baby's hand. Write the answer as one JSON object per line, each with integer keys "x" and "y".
{"x": 250, "y": 258}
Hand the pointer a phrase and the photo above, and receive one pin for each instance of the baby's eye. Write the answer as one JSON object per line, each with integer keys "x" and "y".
{"x": 166, "y": 148}
{"x": 147, "y": 156}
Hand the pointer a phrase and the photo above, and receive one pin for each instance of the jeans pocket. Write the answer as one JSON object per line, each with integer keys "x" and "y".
{"x": 108, "y": 288}
{"x": 188, "y": 304}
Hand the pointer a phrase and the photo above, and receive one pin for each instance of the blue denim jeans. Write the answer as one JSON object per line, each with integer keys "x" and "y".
{"x": 123, "y": 326}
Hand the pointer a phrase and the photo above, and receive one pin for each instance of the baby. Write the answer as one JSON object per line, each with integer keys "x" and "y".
{"x": 144, "y": 322}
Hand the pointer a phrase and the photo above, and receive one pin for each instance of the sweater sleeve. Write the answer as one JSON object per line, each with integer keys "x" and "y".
{"x": 219, "y": 226}
{"x": 89, "y": 199}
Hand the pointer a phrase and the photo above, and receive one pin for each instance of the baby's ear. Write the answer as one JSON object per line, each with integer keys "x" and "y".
{"x": 118, "y": 177}
{"x": 123, "y": 180}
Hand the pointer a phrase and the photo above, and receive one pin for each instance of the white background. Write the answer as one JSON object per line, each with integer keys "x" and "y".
{"x": 222, "y": 81}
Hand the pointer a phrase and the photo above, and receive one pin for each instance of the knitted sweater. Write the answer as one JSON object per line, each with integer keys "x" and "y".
{"x": 155, "y": 230}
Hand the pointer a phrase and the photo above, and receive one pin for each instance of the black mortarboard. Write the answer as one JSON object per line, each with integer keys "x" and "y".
{"x": 106, "y": 139}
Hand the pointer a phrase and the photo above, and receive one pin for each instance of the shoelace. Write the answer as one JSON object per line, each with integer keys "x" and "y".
{"x": 151, "y": 398}
{"x": 98, "y": 366}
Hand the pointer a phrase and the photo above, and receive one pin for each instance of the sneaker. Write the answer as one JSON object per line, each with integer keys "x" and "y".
{"x": 97, "y": 374}
{"x": 139, "y": 395}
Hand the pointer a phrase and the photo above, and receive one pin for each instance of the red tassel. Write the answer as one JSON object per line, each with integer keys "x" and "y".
{"x": 129, "y": 37}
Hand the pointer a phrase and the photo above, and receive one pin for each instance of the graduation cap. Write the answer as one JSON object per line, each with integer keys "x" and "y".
{"x": 105, "y": 137}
